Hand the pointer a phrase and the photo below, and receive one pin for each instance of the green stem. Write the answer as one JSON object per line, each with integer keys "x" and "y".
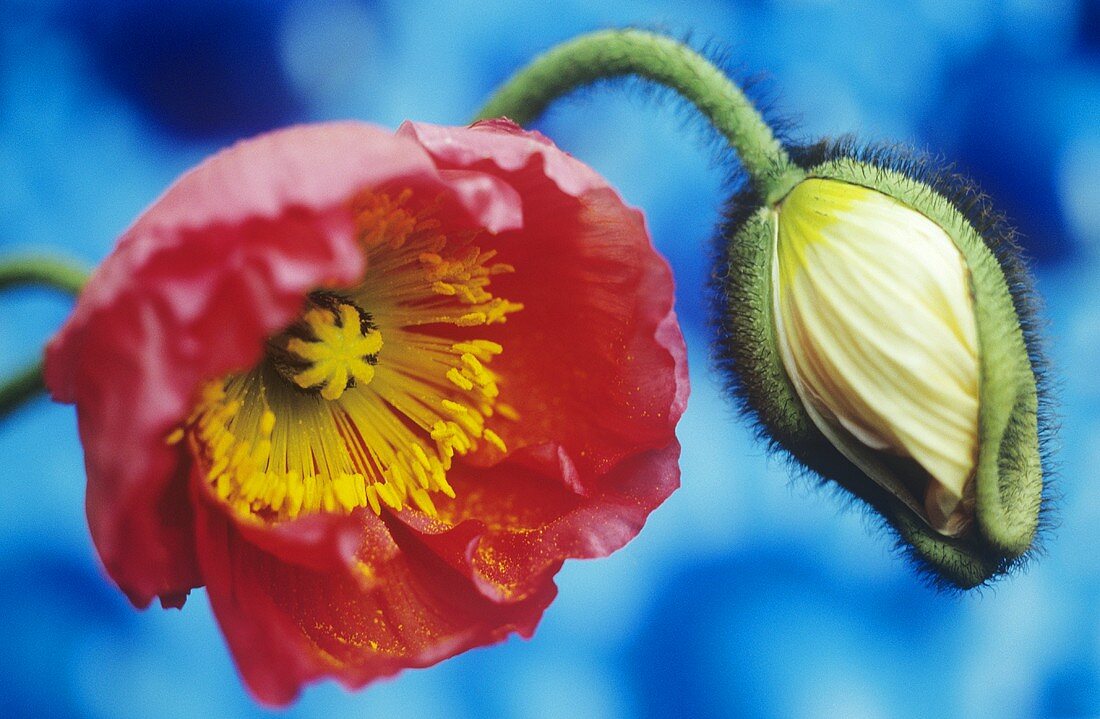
{"x": 616, "y": 53}
{"x": 17, "y": 390}
{"x": 64, "y": 275}
{"x": 58, "y": 274}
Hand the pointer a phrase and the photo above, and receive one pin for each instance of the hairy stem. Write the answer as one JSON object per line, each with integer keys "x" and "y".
{"x": 59, "y": 274}
{"x": 616, "y": 53}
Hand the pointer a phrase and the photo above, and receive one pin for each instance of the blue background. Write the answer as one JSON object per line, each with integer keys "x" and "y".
{"x": 748, "y": 594}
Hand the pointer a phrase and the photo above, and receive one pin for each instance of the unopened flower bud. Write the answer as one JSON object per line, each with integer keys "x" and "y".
{"x": 876, "y": 327}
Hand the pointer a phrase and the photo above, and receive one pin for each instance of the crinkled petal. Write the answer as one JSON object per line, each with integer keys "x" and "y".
{"x": 595, "y": 362}
{"x": 511, "y": 526}
{"x": 595, "y": 366}
{"x": 507, "y": 146}
{"x": 343, "y": 611}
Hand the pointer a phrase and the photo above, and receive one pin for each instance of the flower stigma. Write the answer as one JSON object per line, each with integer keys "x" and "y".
{"x": 334, "y": 418}
{"x": 334, "y": 345}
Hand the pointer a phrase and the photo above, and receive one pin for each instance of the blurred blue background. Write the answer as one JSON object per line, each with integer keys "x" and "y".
{"x": 747, "y": 594}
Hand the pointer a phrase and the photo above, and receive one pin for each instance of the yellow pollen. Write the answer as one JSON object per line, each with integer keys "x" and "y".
{"x": 455, "y": 375}
{"x": 333, "y": 419}
{"x": 472, "y": 319}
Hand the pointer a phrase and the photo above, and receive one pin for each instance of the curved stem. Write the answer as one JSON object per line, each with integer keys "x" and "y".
{"x": 20, "y": 388}
{"x": 616, "y": 53}
{"x": 58, "y": 274}
{"x": 64, "y": 275}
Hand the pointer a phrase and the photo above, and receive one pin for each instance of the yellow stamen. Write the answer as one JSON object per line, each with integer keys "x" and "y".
{"x": 494, "y": 439}
{"x": 334, "y": 418}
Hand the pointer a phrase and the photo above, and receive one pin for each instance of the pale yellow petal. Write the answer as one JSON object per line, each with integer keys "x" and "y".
{"x": 876, "y": 329}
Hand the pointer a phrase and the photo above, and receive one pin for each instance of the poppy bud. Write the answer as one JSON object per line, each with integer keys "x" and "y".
{"x": 874, "y": 317}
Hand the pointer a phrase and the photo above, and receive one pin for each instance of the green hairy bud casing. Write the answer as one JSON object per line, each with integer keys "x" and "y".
{"x": 859, "y": 426}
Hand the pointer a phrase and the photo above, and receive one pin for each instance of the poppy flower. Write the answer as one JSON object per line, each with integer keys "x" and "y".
{"x": 371, "y": 389}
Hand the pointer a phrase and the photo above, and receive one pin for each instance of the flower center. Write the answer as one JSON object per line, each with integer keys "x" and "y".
{"x": 333, "y": 346}
{"x": 330, "y": 420}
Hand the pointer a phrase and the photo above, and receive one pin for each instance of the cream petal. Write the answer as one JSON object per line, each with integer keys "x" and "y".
{"x": 876, "y": 328}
